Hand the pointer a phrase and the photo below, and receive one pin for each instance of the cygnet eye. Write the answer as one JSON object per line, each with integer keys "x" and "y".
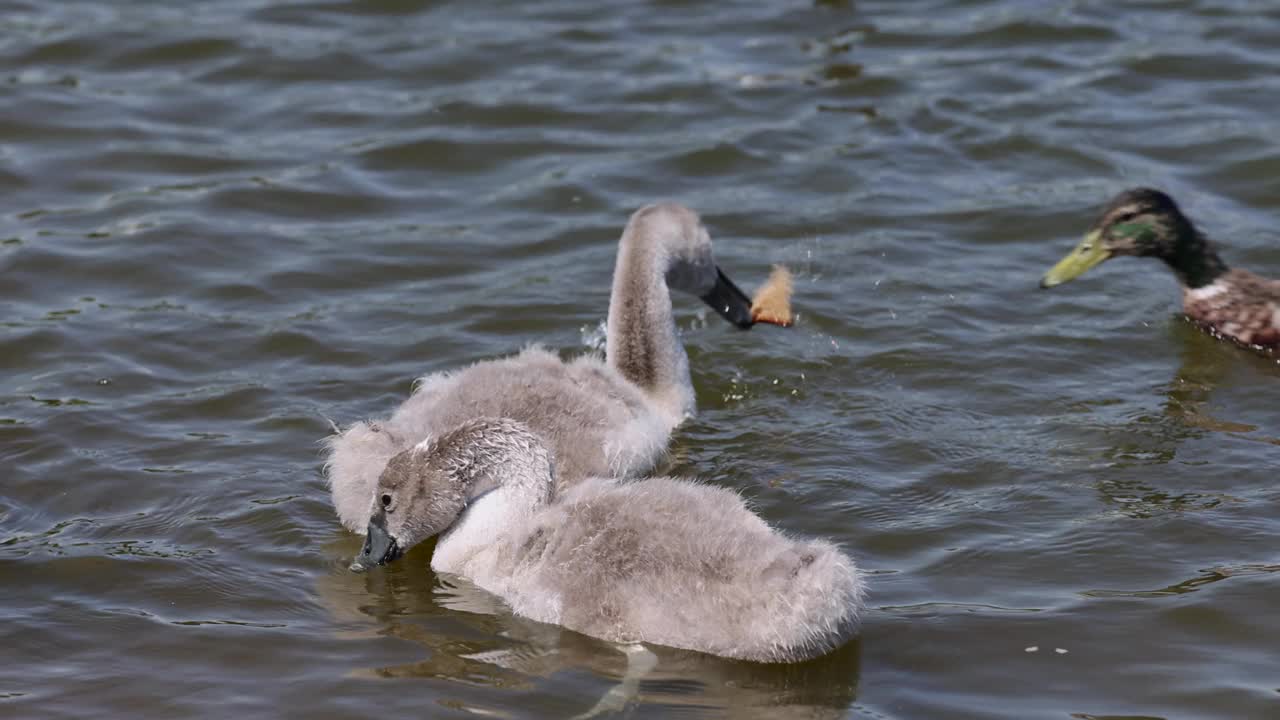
{"x": 386, "y": 502}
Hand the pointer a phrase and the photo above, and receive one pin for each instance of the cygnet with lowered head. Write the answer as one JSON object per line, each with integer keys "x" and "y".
{"x": 610, "y": 417}
{"x": 662, "y": 561}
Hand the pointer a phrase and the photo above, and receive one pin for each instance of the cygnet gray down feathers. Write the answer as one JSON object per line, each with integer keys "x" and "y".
{"x": 658, "y": 560}
{"x": 608, "y": 418}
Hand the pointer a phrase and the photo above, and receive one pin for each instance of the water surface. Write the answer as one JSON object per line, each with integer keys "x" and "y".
{"x": 227, "y": 224}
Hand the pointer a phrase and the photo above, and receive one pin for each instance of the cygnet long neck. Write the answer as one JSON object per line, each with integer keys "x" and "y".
{"x": 499, "y": 491}
{"x": 643, "y": 344}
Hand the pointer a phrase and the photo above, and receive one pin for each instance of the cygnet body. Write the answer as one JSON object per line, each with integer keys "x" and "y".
{"x": 659, "y": 560}
{"x": 599, "y": 417}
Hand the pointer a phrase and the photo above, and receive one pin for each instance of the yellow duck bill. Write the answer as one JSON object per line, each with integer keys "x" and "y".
{"x": 1088, "y": 253}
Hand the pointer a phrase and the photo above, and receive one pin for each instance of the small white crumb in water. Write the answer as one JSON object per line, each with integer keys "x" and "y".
{"x": 1033, "y": 648}
{"x": 1060, "y": 651}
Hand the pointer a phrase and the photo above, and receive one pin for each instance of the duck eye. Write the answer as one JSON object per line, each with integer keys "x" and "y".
{"x": 386, "y": 501}
{"x": 1126, "y": 216}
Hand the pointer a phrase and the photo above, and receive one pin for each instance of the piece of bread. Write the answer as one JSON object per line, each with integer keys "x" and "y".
{"x": 772, "y": 302}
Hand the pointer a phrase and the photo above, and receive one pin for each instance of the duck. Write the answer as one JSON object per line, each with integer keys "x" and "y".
{"x": 657, "y": 560}
{"x": 610, "y": 416}
{"x": 1231, "y": 304}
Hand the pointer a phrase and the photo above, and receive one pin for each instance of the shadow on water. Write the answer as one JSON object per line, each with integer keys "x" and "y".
{"x": 470, "y": 636}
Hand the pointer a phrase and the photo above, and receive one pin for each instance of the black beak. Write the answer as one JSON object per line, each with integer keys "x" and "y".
{"x": 379, "y": 547}
{"x": 732, "y": 304}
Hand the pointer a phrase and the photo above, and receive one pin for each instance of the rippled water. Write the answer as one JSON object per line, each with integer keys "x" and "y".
{"x": 226, "y": 224}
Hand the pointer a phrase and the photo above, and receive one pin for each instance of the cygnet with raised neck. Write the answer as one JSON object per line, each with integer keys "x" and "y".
{"x": 610, "y": 416}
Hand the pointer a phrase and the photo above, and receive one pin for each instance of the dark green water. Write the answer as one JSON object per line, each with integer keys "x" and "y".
{"x": 224, "y": 223}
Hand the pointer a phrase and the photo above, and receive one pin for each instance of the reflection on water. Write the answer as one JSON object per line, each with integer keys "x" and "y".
{"x": 469, "y": 636}
{"x": 1206, "y": 363}
{"x": 1188, "y": 414}
{"x": 1145, "y": 438}
{"x": 1206, "y": 577}
{"x": 1138, "y": 499}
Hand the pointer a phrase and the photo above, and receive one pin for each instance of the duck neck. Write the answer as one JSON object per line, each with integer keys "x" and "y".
{"x": 643, "y": 344}
{"x": 1195, "y": 261}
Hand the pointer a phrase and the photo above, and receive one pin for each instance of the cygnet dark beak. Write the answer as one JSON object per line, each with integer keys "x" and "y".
{"x": 731, "y": 303}
{"x": 379, "y": 547}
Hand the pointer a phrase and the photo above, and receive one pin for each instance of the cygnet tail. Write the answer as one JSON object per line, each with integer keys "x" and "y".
{"x": 820, "y": 600}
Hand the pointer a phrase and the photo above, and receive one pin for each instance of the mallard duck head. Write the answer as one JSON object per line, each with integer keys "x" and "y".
{"x": 1142, "y": 222}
